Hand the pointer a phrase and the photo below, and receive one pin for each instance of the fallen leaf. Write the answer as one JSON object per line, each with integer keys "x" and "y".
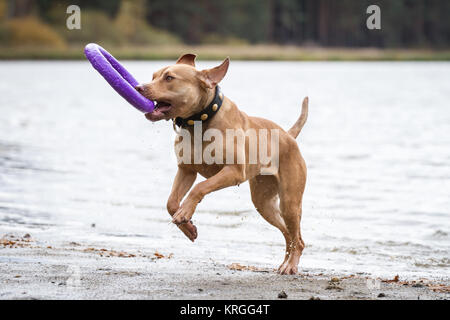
{"x": 396, "y": 279}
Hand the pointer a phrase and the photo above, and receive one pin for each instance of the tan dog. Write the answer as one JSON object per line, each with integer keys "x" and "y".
{"x": 181, "y": 91}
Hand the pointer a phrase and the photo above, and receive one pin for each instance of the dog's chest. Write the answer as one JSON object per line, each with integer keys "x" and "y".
{"x": 206, "y": 156}
{"x": 206, "y": 171}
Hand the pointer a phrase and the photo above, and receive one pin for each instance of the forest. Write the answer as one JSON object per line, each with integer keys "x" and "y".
{"x": 326, "y": 24}
{"x": 405, "y": 23}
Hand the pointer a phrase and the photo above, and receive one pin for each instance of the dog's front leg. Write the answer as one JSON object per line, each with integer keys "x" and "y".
{"x": 229, "y": 176}
{"x": 184, "y": 180}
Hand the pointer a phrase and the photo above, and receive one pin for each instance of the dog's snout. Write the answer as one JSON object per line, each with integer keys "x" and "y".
{"x": 140, "y": 88}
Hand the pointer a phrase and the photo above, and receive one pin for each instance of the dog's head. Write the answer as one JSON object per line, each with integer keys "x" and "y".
{"x": 180, "y": 90}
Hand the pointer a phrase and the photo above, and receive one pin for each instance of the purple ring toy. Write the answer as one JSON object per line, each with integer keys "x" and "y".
{"x": 117, "y": 76}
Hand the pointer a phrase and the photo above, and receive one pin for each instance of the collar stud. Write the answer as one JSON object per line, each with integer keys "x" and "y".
{"x": 207, "y": 113}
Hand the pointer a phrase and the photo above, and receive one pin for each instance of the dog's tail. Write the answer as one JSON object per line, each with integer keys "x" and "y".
{"x": 298, "y": 125}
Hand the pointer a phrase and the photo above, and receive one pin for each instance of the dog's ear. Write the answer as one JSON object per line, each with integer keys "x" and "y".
{"x": 211, "y": 77}
{"x": 188, "y": 58}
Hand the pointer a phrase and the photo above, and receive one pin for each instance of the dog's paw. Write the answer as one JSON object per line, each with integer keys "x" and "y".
{"x": 287, "y": 269}
{"x": 189, "y": 230}
{"x": 183, "y": 214}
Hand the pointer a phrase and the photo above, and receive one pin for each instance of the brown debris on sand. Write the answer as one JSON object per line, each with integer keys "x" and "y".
{"x": 264, "y": 283}
{"x": 238, "y": 267}
{"x": 396, "y": 279}
{"x": 122, "y": 254}
{"x": 161, "y": 256}
{"x": 12, "y": 241}
{"x": 436, "y": 287}
{"x": 110, "y": 253}
{"x": 333, "y": 284}
{"x": 442, "y": 288}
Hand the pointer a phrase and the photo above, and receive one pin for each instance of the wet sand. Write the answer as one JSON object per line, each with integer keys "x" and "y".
{"x": 31, "y": 269}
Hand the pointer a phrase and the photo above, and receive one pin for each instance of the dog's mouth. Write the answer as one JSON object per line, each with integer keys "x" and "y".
{"x": 162, "y": 108}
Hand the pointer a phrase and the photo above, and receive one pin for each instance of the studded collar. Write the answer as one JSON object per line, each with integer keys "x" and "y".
{"x": 204, "y": 115}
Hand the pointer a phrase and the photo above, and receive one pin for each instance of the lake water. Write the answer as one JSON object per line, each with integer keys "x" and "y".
{"x": 377, "y": 145}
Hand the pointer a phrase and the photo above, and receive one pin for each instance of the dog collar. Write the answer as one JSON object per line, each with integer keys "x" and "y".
{"x": 205, "y": 114}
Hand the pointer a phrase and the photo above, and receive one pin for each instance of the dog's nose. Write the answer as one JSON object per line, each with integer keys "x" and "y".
{"x": 140, "y": 88}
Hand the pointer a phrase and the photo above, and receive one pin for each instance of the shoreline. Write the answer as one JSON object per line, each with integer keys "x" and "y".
{"x": 31, "y": 269}
{"x": 244, "y": 53}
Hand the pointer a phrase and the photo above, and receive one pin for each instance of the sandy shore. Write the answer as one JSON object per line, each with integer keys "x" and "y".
{"x": 30, "y": 269}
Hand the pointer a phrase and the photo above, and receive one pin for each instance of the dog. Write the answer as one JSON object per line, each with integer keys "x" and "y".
{"x": 184, "y": 94}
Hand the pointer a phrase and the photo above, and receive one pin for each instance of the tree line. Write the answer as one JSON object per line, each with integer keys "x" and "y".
{"x": 328, "y": 23}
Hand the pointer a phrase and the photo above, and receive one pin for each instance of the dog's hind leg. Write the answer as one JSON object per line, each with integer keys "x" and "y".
{"x": 291, "y": 213}
{"x": 292, "y": 185}
{"x": 264, "y": 192}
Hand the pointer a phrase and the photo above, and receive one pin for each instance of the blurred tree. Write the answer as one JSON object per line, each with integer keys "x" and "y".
{"x": 20, "y": 8}
{"x": 404, "y": 23}
{"x": 96, "y": 26}
{"x": 194, "y": 20}
{"x": 437, "y": 23}
{"x": 3, "y": 10}
{"x": 29, "y": 31}
{"x": 131, "y": 24}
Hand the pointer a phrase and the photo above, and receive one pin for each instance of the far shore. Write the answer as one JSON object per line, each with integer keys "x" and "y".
{"x": 235, "y": 52}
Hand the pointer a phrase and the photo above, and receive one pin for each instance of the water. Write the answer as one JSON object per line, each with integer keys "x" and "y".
{"x": 377, "y": 146}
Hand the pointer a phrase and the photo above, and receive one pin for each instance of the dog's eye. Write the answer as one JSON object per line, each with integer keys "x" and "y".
{"x": 169, "y": 78}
